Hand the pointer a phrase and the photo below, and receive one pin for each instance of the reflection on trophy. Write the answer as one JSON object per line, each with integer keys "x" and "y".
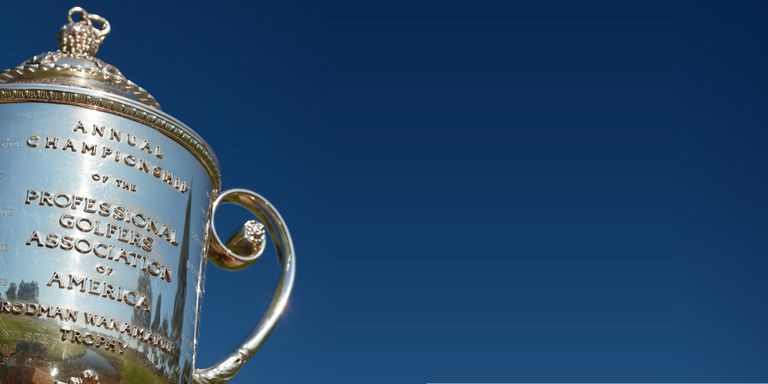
{"x": 107, "y": 208}
{"x": 89, "y": 377}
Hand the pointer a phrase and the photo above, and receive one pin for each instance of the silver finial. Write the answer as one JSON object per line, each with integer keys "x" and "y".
{"x": 82, "y": 37}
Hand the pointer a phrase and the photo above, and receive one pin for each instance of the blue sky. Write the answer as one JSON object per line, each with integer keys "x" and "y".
{"x": 478, "y": 192}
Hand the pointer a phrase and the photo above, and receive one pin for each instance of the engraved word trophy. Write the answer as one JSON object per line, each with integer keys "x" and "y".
{"x": 107, "y": 209}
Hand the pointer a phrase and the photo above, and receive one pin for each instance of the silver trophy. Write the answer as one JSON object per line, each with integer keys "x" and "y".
{"x": 106, "y": 225}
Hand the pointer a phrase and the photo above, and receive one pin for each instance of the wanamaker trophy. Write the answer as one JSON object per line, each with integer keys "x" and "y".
{"x": 107, "y": 209}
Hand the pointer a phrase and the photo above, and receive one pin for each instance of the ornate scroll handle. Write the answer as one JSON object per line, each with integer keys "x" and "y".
{"x": 223, "y": 256}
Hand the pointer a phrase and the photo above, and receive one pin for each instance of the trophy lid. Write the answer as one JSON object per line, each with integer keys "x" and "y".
{"x": 75, "y": 62}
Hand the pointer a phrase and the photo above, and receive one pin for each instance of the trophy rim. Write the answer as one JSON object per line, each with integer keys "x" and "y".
{"x": 107, "y": 102}
{"x": 90, "y": 72}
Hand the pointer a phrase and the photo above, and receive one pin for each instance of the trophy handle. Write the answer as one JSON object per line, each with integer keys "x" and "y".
{"x": 250, "y": 241}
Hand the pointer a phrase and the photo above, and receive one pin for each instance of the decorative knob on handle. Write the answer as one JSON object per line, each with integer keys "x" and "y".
{"x": 249, "y": 241}
{"x": 82, "y": 38}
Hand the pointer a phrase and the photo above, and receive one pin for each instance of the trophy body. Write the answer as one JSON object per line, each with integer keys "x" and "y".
{"x": 103, "y": 242}
{"x": 105, "y": 228}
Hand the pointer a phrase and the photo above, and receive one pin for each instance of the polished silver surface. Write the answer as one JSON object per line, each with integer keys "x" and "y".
{"x": 106, "y": 207}
{"x": 119, "y": 250}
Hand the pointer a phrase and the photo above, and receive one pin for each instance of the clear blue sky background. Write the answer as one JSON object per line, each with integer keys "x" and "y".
{"x": 479, "y": 191}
